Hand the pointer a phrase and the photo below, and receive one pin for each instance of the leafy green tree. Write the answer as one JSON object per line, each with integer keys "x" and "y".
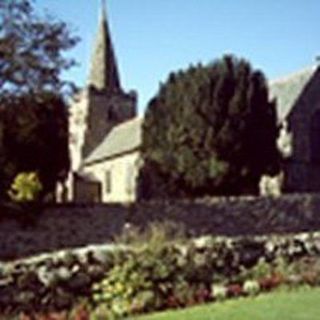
{"x": 33, "y": 112}
{"x": 35, "y": 139}
{"x": 31, "y": 50}
{"x": 210, "y": 130}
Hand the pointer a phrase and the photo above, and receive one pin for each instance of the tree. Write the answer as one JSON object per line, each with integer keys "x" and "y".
{"x": 33, "y": 114}
{"x": 31, "y": 51}
{"x": 209, "y": 130}
{"x": 35, "y": 139}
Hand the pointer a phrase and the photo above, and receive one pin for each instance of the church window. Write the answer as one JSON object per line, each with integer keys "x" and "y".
{"x": 130, "y": 179}
{"x": 315, "y": 138}
{"x": 108, "y": 182}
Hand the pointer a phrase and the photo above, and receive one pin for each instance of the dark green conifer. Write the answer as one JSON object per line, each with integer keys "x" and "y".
{"x": 210, "y": 130}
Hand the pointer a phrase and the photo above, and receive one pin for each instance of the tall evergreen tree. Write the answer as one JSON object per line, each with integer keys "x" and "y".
{"x": 209, "y": 130}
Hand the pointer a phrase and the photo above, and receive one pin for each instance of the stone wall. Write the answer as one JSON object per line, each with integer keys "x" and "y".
{"x": 71, "y": 226}
{"x": 61, "y": 227}
{"x": 58, "y": 281}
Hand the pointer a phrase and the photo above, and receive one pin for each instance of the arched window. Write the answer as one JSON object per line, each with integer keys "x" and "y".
{"x": 315, "y": 138}
{"x": 130, "y": 179}
{"x": 108, "y": 182}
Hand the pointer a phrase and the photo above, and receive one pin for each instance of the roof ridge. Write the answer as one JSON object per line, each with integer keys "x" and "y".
{"x": 283, "y": 79}
{"x": 123, "y": 123}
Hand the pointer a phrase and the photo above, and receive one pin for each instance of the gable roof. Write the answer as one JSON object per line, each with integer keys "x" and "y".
{"x": 287, "y": 90}
{"x": 124, "y": 138}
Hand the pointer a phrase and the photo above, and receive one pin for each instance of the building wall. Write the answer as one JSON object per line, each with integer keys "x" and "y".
{"x": 118, "y": 177}
{"x": 78, "y": 113}
{"x": 105, "y": 111}
{"x": 93, "y": 114}
{"x": 302, "y": 173}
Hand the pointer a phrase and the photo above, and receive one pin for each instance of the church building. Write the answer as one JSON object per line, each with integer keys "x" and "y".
{"x": 105, "y": 132}
{"x": 298, "y": 108}
{"x": 98, "y": 109}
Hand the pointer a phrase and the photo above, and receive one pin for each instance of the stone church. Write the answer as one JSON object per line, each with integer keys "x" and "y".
{"x": 298, "y": 108}
{"x": 101, "y": 108}
{"x": 105, "y": 132}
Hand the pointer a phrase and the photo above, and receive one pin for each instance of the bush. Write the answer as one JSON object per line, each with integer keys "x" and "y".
{"x": 156, "y": 233}
{"x": 147, "y": 280}
{"x": 26, "y": 187}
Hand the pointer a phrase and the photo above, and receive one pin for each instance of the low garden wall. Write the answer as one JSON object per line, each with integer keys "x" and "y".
{"x": 74, "y": 225}
{"x": 58, "y": 281}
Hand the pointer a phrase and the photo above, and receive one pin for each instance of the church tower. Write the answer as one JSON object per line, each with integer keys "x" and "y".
{"x": 102, "y": 103}
{"x": 104, "y": 70}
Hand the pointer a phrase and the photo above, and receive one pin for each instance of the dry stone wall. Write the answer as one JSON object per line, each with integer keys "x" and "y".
{"x": 72, "y": 226}
{"x": 61, "y": 227}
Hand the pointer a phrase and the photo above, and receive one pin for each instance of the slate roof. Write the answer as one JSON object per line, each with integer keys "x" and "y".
{"x": 287, "y": 90}
{"x": 104, "y": 70}
{"x": 124, "y": 138}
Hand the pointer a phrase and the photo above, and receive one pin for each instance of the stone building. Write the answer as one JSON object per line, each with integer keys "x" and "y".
{"x": 298, "y": 107}
{"x": 105, "y": 134}
{"x": 98, "y": 107}
{"x": 116, "y": 161}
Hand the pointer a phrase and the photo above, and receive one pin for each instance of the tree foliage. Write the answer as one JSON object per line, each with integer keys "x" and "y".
{"x": 25, "y": 187}
{"x": 31, "y": 50}
{"x": 209, "y": 130}
{"x": 33, "y": 114}
{"x": 35, "y": 139}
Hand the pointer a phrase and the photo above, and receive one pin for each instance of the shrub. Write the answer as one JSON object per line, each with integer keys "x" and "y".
{"x": 156, "y": 233}
{"x": 145, "y": 281}
{"x": 26, "y": 187}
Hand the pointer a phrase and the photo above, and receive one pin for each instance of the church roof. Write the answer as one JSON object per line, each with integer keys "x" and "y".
{"x": 124, "y": 138}
{"x": 104, "y": 73}
{"x": 287, "y": 90}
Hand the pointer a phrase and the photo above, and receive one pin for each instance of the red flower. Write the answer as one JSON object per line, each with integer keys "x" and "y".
{"x": 202, "y": 295}
{"x": 172, "y": 302}
{"x": 268, "y": 283}
{"x": 234, "y": 290}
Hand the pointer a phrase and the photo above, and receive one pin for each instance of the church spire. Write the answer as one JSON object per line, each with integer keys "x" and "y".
{"x": 104, "y": 71}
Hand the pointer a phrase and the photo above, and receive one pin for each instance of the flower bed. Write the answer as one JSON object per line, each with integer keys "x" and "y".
{"x": 159, "y": 277}
{"x": 156, "y": 276}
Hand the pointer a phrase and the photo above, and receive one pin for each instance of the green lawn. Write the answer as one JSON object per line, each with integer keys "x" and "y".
{"x": 297, "y": 305}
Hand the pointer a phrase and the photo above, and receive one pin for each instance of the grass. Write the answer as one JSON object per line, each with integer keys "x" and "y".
{"x": 302, "y": 304}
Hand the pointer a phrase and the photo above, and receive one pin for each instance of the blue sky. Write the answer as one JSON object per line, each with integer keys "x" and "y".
{"x": 154, "y": 37}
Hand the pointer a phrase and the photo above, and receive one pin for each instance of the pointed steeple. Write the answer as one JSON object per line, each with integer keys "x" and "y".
{"x": 104, "y": 70}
